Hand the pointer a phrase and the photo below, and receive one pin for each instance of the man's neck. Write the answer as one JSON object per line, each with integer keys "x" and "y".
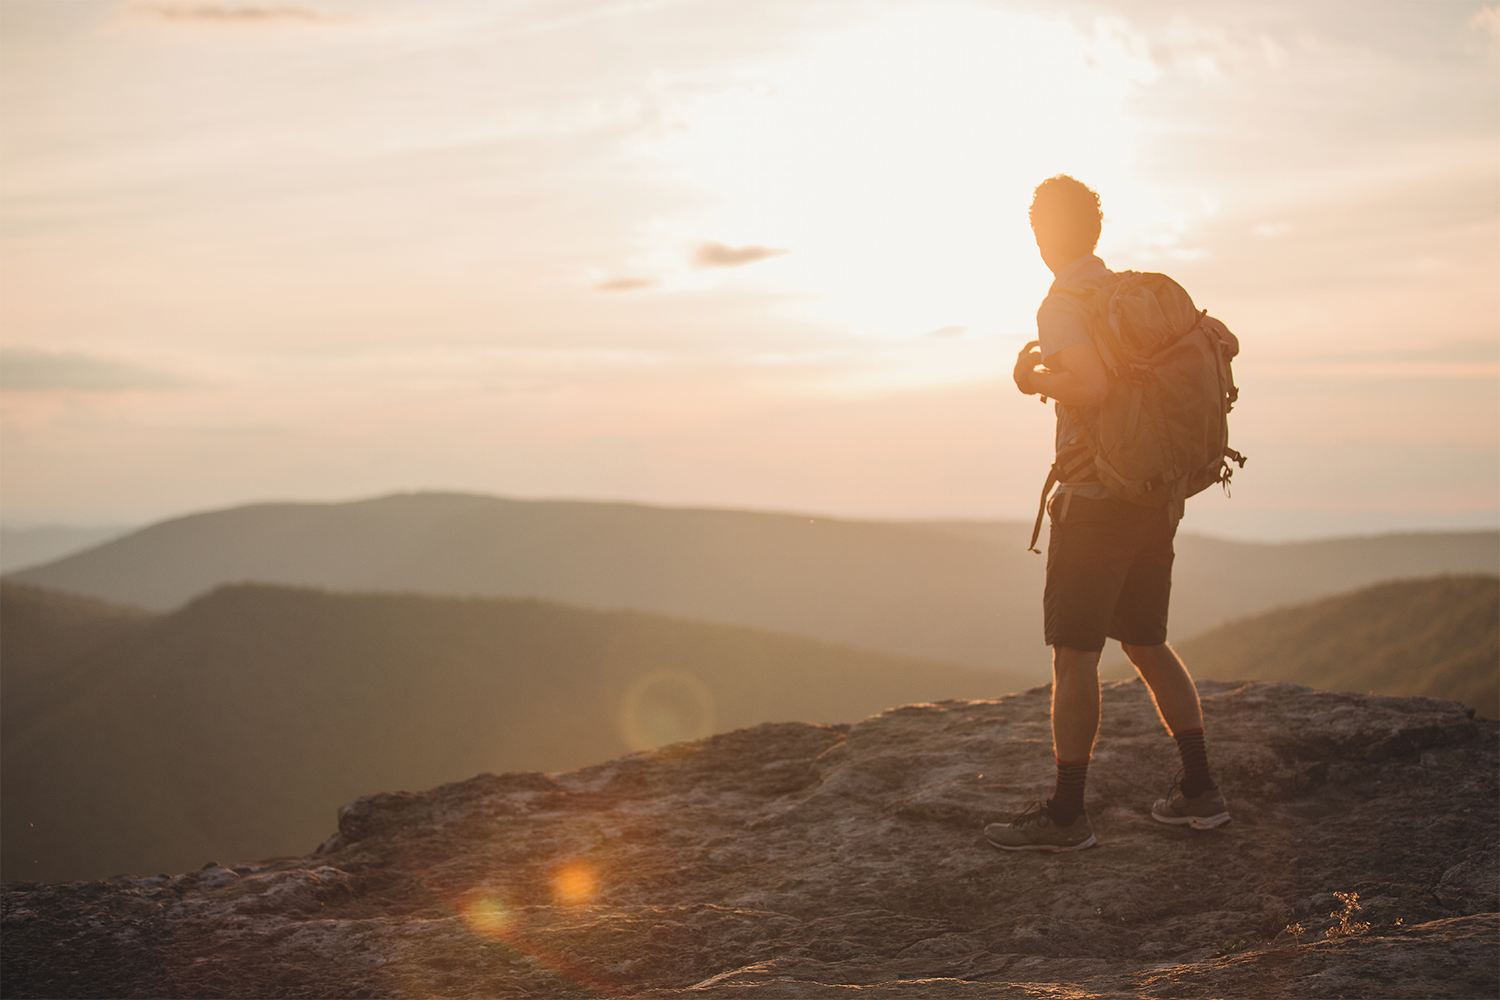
{"x": 1063, "y": 275}
{"x": 1057, "y": 269}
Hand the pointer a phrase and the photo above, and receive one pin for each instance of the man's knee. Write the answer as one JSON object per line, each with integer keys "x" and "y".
{"x": 1069, "y": 661}
{"x": 1156, "y": 652}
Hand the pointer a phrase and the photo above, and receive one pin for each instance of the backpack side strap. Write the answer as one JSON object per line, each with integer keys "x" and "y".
{"x": 1036, "y": 529}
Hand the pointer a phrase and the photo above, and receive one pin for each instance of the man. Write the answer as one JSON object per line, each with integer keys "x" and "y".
{"x": 1109, "y": 561}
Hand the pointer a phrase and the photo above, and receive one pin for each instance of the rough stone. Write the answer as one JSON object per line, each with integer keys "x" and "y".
{"x": 792, "y": 860}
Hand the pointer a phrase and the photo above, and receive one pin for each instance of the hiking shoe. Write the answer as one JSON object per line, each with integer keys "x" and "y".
{"x": 1033, "y": 830}
{"x": 1203, "y": 812}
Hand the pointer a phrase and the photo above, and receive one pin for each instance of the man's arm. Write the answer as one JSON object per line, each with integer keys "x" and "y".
{"x": 1076, "y": 375}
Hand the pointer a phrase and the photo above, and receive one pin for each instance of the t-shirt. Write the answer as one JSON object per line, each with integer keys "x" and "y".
{"x": 1060, "y": 323}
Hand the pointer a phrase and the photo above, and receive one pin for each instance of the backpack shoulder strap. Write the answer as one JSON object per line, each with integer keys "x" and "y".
{"x": 1095, "y": 305}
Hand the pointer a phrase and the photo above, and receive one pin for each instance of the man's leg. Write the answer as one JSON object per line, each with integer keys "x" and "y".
{"x": 1075, "y": 726}
{"x": 1088, "y": 556}
{"x": 1060, "y": 824}
{"x": 1171, "y": 686}
{"x": 1198, "y": 801}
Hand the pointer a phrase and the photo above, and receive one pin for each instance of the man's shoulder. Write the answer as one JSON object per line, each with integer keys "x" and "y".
{"x": 1078, "y": 282}
{"x": 1063, "y": 318}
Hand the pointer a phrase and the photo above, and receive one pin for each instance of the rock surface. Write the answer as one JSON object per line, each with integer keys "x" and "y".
{"x": 798, "y": 860}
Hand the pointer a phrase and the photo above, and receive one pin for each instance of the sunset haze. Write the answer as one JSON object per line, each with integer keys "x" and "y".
{"x": 769, "y": 256}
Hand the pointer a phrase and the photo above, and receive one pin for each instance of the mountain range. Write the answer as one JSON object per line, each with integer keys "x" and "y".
{"x": 961, "y": 592}
{"x": 1437, "y": 637}
{"x": 154, "y": 703}
{"x": 21, "y": 548}
{"x": 236, "y": 725}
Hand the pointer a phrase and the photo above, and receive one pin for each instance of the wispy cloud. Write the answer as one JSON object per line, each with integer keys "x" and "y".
{"x": 226, "y": 11}
{"x": 25, "y": 369}
{"x": 1486, "y": 21}
{"x": 720, "y": 255}
{"x": 624, "y": 284}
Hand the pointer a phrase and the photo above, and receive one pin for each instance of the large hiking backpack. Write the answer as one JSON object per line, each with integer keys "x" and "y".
{"x": 1162, "y": 434}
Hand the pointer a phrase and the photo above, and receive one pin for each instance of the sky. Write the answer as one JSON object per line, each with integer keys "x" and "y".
{"x": 767, "y": 255}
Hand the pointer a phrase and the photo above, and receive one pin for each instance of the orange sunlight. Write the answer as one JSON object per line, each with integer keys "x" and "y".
{"x": 574, "y": 883}
{"x": 486, "y": 915}
{"x": 769, "y": 255}
{"x": 666, "y": 706}
{"x": 894, "y": 160}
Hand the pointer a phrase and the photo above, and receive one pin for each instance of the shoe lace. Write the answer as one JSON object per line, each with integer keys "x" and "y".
{"x": 1033, "y": 815}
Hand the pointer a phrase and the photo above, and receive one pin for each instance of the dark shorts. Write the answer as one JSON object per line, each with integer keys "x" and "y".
{"x": 1109, "y": 573}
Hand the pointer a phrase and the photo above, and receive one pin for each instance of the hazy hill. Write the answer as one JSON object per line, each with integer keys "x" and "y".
{"x": 1439, "y": 638}
{"x": 883, "y": 587}
{"x": 22, "y": 547}
{"x": 961, "y": 592}
{"x": 235, "y": 726}
{"x": 42, "y": 631}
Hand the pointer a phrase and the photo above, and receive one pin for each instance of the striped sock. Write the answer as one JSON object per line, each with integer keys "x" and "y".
{"x": 1067, "y": 795}
{"x": 1195, "y": 777}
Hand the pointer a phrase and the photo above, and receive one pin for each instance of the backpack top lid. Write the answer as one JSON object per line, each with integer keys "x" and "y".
{"x": 1145, "y": 312}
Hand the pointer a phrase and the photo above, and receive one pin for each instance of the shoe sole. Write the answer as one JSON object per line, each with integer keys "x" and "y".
{"x": 1196, "y": 822}
{"x": 1049, "y": 848}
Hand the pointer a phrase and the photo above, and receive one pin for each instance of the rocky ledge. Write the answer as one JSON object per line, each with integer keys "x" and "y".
{"x": 793, "y": 860}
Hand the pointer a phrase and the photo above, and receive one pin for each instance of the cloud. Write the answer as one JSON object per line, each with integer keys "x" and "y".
{"x": 1271, "y": 230}
{"x": 624, "y": 284}
{"x": 226, "y": 11}
{"x": 1483, "y": 355}
{"x": 24, "y": 369}
{"x": 720, "y": 255}
{"x": 946, "y": 331}
{"x": 1486, "y": 20}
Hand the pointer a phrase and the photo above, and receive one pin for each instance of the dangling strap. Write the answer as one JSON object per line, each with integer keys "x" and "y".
{"x": 1226, "y": 471}
{"x": 1036, "y": 529}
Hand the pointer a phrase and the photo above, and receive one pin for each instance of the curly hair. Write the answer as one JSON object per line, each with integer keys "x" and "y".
{"x": 1065, "y": 210}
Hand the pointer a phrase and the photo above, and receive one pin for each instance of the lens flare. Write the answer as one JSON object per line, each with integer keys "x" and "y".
{"x": 574, "y": 883}
{"x": 666, "y": 706}
{"x": 486, "y": 915}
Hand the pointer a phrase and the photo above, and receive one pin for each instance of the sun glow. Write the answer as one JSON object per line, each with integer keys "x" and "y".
{"x": 666, "y": 706}
{"x": 575, "y": 883}
{"x": 486, "y": 915}
{"x": 895, "y": 161}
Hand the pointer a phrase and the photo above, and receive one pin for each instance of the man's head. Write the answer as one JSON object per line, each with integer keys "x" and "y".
{"x": 1066, "y": 218}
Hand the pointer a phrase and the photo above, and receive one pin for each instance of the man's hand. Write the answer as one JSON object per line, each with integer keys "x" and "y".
{"x": 1026, "y": 365}
{"x": 1075, "y": 375}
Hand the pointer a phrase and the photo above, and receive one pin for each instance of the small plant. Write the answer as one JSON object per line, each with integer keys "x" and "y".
{"x": 1296, "y": 931}
{"x": 1230, "y": 946}
{"x": 1346, "y": 926}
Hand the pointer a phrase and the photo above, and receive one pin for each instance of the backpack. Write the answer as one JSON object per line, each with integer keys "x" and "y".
{"x": 1162, "y": 434}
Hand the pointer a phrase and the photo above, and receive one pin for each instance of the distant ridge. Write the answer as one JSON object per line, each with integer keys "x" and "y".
{"x": 24, "y": 547}
{"x": 960, "y": 592}
{"x": 892, "y": 588}
{"x": 236, "y": 726}
{"x": 1439, "y": 638}
{"x": 43, "y": 632}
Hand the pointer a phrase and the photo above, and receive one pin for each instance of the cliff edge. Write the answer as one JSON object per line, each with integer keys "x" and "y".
{"x": 798, "y": 860}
